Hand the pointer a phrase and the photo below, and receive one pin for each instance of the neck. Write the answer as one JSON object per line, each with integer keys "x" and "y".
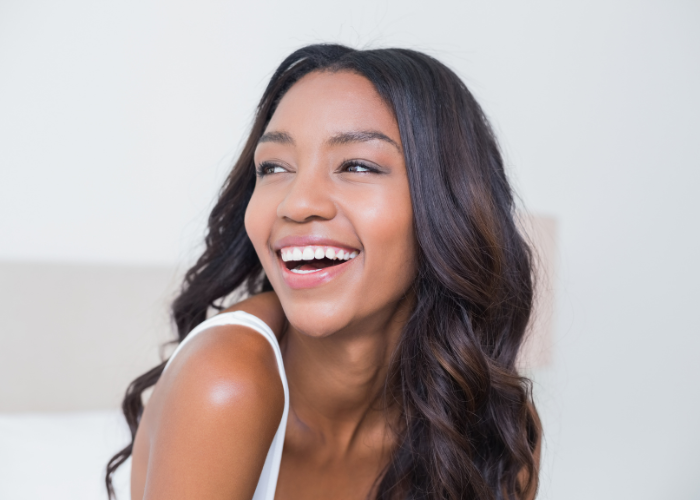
{"x": 336, "y": 382}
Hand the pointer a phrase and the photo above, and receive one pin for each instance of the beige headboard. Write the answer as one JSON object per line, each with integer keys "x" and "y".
{"x": 72, "y": 336}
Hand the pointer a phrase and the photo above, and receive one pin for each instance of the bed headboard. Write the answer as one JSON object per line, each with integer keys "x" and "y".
{"x": 73, "y": 336}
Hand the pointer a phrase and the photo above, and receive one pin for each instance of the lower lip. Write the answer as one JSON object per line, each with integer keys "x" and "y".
{"x": 310, "y": 280}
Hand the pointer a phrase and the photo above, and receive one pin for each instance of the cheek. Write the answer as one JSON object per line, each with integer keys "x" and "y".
{"x": 390, "y": 243}
{"x": 258, "y": 223}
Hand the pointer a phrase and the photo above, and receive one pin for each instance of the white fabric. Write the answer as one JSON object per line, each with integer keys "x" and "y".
{"x": 268, "y": 477}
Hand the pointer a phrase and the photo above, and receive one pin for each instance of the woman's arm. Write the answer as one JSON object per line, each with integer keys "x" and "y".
{"x": 211, "y": 419}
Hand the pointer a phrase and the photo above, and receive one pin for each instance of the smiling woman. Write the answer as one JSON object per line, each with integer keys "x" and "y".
{"x": 336, "y": 183}
{"x": 370, "y": 218}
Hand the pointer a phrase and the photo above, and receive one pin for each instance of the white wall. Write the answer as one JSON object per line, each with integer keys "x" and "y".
{"x": 117, "y": 119}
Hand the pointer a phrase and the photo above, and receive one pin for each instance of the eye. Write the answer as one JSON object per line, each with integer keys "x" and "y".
{"x": 267, "y": 168}
{"x": 355, "y": 166}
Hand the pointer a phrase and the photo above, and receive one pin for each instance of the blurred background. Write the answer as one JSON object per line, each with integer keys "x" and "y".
{"x": 119, "y": 122}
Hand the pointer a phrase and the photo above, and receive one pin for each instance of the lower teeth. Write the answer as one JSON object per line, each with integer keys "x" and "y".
{"x": 299, "y": 271}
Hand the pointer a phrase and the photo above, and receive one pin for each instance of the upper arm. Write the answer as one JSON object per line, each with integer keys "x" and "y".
{"x": 215, "y": 413}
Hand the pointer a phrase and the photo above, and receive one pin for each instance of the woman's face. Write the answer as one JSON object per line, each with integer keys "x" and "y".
{"x": 331, "y": 217}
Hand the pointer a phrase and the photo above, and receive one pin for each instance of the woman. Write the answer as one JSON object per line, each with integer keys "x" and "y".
{"x": 371, "y": 197}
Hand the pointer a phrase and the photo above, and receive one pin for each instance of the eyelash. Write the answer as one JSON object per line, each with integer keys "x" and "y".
{"x": 261, "y": 169}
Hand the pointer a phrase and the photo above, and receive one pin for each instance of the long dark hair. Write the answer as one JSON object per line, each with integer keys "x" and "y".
{"x": 468, "y": 428}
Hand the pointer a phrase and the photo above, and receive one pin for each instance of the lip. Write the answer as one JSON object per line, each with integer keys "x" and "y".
{"x": 311, "y": 280}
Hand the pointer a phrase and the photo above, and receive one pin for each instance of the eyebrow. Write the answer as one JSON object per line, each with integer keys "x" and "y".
{"x": 279, "y": 137}
{"x": 338, "y": 139}
{"x": 361, "y": 136}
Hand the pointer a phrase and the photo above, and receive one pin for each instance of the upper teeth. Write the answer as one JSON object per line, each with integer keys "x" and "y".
{"x": 316, "y": 252}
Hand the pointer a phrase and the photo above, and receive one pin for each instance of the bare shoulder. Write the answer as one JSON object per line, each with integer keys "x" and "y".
{"x": 211, "y": 419}
{"x": 226, "y": 365}
{"x": 265, "y": 306}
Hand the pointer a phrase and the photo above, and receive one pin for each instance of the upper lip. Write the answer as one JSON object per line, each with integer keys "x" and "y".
{"x": 301, "y": 241}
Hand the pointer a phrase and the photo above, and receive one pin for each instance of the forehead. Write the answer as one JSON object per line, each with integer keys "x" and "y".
{"x": 327, "y": 103}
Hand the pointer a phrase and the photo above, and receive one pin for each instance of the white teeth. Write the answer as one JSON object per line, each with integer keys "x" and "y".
{"x": 315, "y": 252}
{"x": 308, "y": 253}
{"x": 299, "y": 271}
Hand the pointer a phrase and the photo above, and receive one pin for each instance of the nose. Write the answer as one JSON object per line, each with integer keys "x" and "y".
{"x": 308, "y": 198}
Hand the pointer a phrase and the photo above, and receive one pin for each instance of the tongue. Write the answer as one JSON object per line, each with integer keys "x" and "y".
{"x": 307, "y": 267}
{"x": 316, "y": 264}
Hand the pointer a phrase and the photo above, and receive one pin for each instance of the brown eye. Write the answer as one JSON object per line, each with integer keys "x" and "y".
{"x": 270, "y": 168}
{"x": 358, "y": 167}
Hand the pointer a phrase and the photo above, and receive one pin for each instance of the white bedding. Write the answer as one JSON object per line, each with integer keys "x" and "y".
{"x": 60, "y": 456}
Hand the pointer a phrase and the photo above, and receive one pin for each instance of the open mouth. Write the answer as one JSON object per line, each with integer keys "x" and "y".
{"x": 314, "y": 258}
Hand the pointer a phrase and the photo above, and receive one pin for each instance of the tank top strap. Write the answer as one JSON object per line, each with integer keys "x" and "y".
{"x": 267, "y": 483}
{"x": 241, "y": 318}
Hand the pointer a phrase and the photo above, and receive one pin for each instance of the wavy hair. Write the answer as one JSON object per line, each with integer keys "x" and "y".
{"x": 468, "y": 427}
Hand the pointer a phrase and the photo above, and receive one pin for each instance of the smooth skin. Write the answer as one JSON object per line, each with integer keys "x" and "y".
{"x": 333, "y": 167}
{"x": 337, "y": 171}
{"x": 213, "y": 414}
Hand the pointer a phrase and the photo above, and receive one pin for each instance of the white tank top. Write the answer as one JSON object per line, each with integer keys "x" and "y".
{"x": 268, "y": 477}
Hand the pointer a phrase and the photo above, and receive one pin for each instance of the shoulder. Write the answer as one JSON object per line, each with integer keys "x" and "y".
{"x": 265, "y": 306}
{"x": 212, "y": 416}
{"x": 225, "y": 367}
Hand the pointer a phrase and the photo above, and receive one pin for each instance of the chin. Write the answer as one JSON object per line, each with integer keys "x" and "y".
{"x": 316, "y": 319}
